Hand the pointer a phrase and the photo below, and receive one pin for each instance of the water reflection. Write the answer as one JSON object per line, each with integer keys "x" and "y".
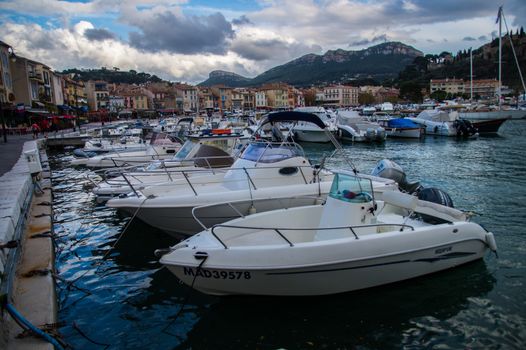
{"x": 132, "y": 298}
{"x": 375, "y": 318}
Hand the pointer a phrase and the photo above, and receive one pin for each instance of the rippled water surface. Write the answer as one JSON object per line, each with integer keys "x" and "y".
{"x": 112, "y": 291}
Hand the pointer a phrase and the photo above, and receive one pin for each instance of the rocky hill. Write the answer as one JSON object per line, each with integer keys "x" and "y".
{"x": 379, "y": 62}
{"x": 218, "y": 77}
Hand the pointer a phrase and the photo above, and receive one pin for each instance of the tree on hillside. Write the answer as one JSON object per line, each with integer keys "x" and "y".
{"x": 310, "y": 97}
{"x": 410, "y": 91}
{"x": 439, "y": 95}
{"x": 366, "y": 98}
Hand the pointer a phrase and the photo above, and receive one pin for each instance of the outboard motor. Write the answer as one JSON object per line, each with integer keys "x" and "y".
{"x": 465, "y": 128}
{"x": 390, "y": 170}
{"x": 434, "y": 195}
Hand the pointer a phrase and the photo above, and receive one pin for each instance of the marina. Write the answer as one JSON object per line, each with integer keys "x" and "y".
{"x": 255, "y": 179}
{"x": 125, "y": 298}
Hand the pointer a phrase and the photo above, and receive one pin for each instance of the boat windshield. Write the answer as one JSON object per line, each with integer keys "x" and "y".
{"x": 269, "y": 153}
{"x": 184, "y": 150}
{"x": 349, "y": 188}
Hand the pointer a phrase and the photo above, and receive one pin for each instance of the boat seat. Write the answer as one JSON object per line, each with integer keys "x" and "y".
{"x": 440, "y": 211}
{"x": 412, "y": 203}
{"x": 399, "y": 199}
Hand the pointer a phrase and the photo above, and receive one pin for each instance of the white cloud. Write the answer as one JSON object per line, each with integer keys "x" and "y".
{"x": 279, "y": 31}
{"x": 72, "y": 49}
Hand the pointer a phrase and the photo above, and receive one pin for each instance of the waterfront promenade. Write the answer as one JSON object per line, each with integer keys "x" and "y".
{"x": 11, "y": 151}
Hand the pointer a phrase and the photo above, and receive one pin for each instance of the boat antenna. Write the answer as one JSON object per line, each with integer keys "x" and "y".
{"x": 513, "y": 50}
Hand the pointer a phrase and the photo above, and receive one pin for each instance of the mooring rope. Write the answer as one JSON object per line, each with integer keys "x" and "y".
{"x": 185, "y": 301}
{"x": 124, "y": 230}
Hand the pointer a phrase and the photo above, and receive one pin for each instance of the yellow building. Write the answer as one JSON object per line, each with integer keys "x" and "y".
{"x": 450, "y": 86}
{"x": 277, "y": 96}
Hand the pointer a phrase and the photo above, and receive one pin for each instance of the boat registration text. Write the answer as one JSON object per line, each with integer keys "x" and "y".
{"x": 217, "y": 274}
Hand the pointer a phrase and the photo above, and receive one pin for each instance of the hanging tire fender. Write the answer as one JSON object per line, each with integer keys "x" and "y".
{"x": 490, "y": 241}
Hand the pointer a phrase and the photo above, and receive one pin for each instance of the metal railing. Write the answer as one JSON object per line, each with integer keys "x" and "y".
{"x": 279, "y": 230}
{"x": 184, "y": 174}
{"x": 231, "y": 204}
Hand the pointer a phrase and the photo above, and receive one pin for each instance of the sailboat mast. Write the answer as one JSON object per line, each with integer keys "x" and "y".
{"x": 500, "y": 55}
{"x": 471, "y": 74}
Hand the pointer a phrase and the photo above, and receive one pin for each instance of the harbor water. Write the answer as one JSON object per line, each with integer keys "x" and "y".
{"x": 114, "y": 294}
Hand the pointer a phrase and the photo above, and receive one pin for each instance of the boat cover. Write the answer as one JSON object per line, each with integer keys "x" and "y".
{"x": 402, "y": 123}
{"x": 292, "y": 116}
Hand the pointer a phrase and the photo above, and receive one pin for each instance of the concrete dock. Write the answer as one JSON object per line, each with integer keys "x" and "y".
{"x": 27, "y": 253}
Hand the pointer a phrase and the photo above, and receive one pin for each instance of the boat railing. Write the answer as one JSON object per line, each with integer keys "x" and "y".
{"x": 175, "y": 177}
{"x": 280, "y": 230}
{"x": 139, "y": 173}
{"x": 268, "y": 145}
{"x": 232, "y": 205}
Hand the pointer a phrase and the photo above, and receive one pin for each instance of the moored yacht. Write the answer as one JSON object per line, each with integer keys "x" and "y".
{"x": 444, "y": 123}
{"x": 204, "y": 150}
{"x": 266, "y": 176}
{"x": 307, "y": 132}
{"x": 161, "y": 146}
{"x": 353, "y": 241}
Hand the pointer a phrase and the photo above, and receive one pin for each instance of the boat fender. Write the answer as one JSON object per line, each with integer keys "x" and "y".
{"x": 201, "y": 255}
{"x": 490, "y": 241}
{"x": 252, "y": 209}
{"x": 160, "y": 252}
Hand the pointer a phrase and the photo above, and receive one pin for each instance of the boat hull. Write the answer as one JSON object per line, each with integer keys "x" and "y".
{"x": 489, "y": 126}
{"x": 330, "y": 278}
{"x": 177, "y": 221}
{"x": 506, "y": 114}
{"x": 408, "y": 133}
{"x": 318, "y": 136}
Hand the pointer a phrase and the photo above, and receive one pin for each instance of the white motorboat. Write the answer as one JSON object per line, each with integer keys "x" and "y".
{"x": 307, "y": 132}
{"x": 402, "y": 128}
{"x": 444, "y": 123}
{"x": 368, "y": 110}
{"x": 351, "y": 242}
{"x": 200, "y": 151}
{"x": 266, "y": 176}
{"x": 354, "y": 128}
{"x": 161, "y": 146}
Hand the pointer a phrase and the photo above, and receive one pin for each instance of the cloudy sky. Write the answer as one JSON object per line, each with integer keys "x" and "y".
{"x": 183, "y": 40}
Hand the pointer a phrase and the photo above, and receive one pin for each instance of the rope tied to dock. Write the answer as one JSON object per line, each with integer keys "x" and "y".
{"x": 186, "y": 298}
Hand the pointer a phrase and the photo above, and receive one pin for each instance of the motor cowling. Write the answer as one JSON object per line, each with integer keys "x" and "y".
{"x": 437, "y": 196}
{"x": 390, "y": 170}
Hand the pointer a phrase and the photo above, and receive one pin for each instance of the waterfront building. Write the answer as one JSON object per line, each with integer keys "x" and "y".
{"x": 57, "y": 86}
{"x": 243, "y": 99}
{"x": 31, "y": 83}
{"x": 207, "y": 99}
{"x": 97, "y": 93}
{"x": 340, "y": 96}
{"x": 189, "y": 97}
{"x": 483, "y": 88}
{"x": 277, "y": 95}
{"x": 224, "y": 97}
{"x": 6, "y": 82}
{"x": 261, "y": 99}
{"x": 451, "y": 86}
{"x": 74, "y": 93}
